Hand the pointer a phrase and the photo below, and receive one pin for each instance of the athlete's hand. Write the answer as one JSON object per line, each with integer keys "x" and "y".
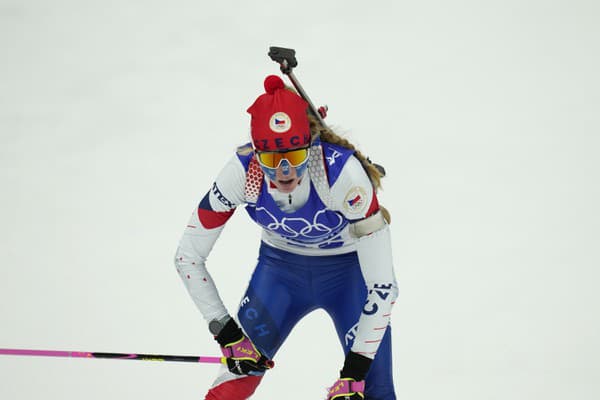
{"x": 242, "y": 357}
{"x": 346, "y": 389}
{"x": 351, "y": 385}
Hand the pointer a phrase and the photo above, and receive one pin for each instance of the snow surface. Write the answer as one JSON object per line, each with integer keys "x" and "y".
{"x": 116, "y": 115}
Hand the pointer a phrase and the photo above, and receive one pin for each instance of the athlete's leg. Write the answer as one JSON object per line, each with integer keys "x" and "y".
{"x": 276, "y": 299}
{"x": 239, "y": 388}
{"x": 343, "y": 293}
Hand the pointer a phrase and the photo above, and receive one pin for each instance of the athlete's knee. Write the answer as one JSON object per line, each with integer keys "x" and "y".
{"x": 235, "y": 389}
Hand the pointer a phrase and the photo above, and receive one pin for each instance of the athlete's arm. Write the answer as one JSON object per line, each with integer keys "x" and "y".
{"x": 354, "y": 196}
{"x": 203, "y": 229}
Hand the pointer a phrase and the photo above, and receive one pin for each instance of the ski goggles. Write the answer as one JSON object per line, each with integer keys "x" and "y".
{"x": 272, "y": 159}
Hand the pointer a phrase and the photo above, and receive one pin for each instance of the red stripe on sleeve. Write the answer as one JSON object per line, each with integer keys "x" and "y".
{"x": 374, "y": 205}
{"x": 214, "y": 219}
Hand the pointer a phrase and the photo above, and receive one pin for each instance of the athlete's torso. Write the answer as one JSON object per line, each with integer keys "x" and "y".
{"x": 301, "y": 222}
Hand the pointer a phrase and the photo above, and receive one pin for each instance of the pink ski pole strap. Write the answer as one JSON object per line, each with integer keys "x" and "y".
{"x": 242, "y": 350}
{"x": 346, "y": 387}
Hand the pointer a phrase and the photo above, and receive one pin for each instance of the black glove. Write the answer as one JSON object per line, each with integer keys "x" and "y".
{"x": 351, "y": 385}
{"x": 242, "y": 357}
{"x": 356, "y": 366}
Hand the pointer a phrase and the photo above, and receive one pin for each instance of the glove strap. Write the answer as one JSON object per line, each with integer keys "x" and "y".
{"x": 346, "y": 387}
{"x": 243, "y": 349}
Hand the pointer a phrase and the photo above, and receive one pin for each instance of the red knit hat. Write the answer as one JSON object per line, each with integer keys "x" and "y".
{"x": 279, "y": 120}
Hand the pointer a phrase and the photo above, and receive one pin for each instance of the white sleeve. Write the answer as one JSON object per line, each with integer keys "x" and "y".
{"x": 227, "y": 191}
{"x": 355, "y": 197}
{"x": 375, "y": 257}
{"x": 202, "y": 231}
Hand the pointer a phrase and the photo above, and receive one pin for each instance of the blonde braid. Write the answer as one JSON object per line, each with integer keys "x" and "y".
{"x": 327, "y": 135}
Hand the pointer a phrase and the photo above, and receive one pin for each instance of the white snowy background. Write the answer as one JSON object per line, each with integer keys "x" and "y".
{"x": 115, "y": 116}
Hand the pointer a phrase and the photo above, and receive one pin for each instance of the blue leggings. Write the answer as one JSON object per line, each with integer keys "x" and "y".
{"x": 285, "y": 287}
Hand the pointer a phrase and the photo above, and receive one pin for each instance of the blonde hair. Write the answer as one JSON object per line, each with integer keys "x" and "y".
{"x": 329, "y": 136}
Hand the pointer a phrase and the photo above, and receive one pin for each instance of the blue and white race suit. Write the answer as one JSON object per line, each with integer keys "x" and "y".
{"x": 308, "y": 259}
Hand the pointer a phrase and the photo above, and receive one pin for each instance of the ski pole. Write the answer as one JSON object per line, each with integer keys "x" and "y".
{"x": 118, "y": 356}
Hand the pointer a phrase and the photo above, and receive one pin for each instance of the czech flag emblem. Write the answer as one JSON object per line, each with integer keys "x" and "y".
{"x": 355, "y": 200}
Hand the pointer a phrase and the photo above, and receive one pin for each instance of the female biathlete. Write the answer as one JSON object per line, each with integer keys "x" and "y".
{"x": 325, "y": 244}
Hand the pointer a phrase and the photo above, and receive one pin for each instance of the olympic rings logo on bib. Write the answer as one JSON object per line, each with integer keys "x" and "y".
{"x": 280, "y": 122}
{"x": 325, "y": 224}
